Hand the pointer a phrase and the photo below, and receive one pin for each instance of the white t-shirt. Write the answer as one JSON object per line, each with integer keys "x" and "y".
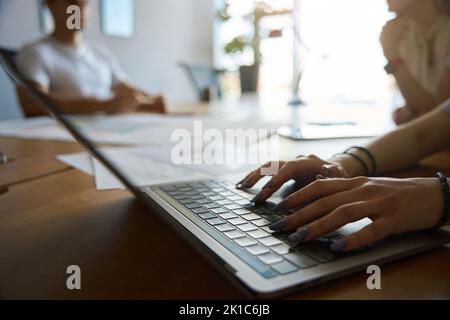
{"x": 87, "y": 71}
{"x": 414, "y": 50}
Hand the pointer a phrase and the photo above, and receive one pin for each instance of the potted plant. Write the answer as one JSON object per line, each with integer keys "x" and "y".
{"x": 249, "y": 74}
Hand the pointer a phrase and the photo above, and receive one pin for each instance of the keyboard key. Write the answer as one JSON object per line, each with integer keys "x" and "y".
{"x": 318, "y": 254}
{"x": 214, "y": 198}
{"x": 266, "y": 229}
{"x": 281, "y": 248}
{"x": 270, "y": 241}
{"x": 270, "y": 258}
{"x": 212, "y": 205}
{"x": 193, "y": 206}
{"x": 251, "y": 217}
{"x": 247, "y": 227}
{"x": 257, "y": 249}
{"x": 232, "y": 206}
{"x": 242, "y": 211}
{"x": 219, "y": 210}
{"x": 261, "y": 222}
{"x": 258, "y": 234}
{"x": 227, "y": 194}
{"x": 199, "y": 210}
{"x": 235, "y": 234}
{"x": 245, "y": 242}
{"x": 207, "y": 215}
{"x": 224, "y": 202}
{"x": 271, "y": 217}
{"x": 228, "y": 216}
{"x": 185, "y": 201}
{"x": 204, "y": 201}
{"x": 235, "y": 198}
{"x": 237, "y": 221}
{"x": 216, "y": 221}
{"x": 208, "y": 194}
{"x": 300, "y": 260}
{"x": 197, "y": 197}
{"x": 225, "y": 227}
{"x": 169, "y": 188}
{"x": 242, "y": 202}
{"x": 285, "y": 267}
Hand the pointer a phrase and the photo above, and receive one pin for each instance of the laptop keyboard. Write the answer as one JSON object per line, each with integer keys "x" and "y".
{"x": 242, "y": 227}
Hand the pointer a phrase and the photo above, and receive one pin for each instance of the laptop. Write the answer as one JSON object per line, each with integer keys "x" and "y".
{"x": 233, "y": 234}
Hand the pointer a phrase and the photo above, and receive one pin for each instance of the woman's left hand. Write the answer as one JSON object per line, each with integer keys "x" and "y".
{"x": 394, "y": 205}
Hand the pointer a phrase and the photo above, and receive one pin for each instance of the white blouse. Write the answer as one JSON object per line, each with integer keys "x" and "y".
{"x": 414, "y": 50}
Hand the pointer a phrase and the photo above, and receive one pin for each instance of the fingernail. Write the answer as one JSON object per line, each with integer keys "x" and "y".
{"x": 281, "y": 206}
{"x": 267, "y": 185}
{"x": 339, "y": 245}
{"x": 320, "y": 177}
{"x": 279, "y": 225}
{"x": 239, "y": 186}
{"x": 257, "y": 198}
{"x": 297, "y": 237}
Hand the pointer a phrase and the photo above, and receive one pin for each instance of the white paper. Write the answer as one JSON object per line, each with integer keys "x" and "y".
{"x": 81, "y": 161}
{"x": 141, "y": 171}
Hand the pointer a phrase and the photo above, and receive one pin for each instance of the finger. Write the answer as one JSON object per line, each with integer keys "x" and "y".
{"x": 285, "y": 173}
{"x": 315, "y": 190}
{"x": 257, "y": 175}
{"x": 338, "y": 218}
{"x": 321, "y": 207}
{"x": 370, "y": 234}
{"x": 331, "y": 171}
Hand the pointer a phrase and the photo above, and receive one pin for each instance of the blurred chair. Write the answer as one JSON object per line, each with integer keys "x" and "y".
{"x": 203, "y": 77}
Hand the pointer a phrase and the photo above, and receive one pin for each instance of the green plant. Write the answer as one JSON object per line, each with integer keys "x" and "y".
{"x": 240, "y": 43}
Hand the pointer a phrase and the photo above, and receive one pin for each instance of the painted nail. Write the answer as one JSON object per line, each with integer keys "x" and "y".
{"x": 257, "y": 198}
{"x": 298, "y": 236}
{"x": 281, "y": 206}
{"x": 279, "y": 225}
{"x": 339, "y": 245}
{"x": 267, "y": 185}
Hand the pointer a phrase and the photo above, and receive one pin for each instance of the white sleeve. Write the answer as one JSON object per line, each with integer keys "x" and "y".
{"x": 32, "y": 66}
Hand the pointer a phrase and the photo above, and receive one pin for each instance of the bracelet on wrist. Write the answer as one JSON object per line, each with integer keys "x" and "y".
{"x": 446, "y": 193}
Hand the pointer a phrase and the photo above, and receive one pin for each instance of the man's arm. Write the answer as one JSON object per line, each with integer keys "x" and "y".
{"x": 75, "y": 106}
{"x": 147, "y": 102}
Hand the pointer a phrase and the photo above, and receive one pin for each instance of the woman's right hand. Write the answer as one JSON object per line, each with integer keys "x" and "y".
{"x": 303, "y": 170}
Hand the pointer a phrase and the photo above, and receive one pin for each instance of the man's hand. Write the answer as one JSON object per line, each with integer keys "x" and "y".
{"x": 156, "y": 104}
{"x": 123, "y": 103}
{"x": 392, "y": 33}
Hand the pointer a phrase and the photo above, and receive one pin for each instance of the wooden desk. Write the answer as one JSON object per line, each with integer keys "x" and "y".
{"x": 59, "y": 219}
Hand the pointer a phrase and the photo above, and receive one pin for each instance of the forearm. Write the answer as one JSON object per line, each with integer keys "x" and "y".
{"x": 416, "y": 97}
{"x": 32, "y": 108}
{"x": 404, "y": 147}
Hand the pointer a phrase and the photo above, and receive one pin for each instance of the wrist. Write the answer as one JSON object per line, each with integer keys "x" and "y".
{"x": 349, "y": 165}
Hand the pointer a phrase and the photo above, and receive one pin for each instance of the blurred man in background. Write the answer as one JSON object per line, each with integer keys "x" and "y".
{"x": 80, "y": 77}
{"x": 417, "y": 46}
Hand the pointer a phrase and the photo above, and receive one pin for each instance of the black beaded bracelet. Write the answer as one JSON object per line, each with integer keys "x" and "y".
{"x": 445, "y": 191}
{"x": 354, "y": 156}
{"x": 370, "y": 156}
